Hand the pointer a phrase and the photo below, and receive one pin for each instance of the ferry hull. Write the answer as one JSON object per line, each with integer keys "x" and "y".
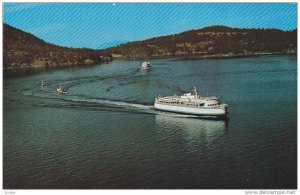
{"x": 201, "y": 111}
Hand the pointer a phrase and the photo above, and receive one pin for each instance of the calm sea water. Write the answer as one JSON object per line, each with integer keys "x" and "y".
{"x": 104, "y": 132}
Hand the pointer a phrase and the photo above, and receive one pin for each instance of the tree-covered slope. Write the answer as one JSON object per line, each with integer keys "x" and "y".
{"x": 211, "y": 41}
{"x": 24, "y": 50}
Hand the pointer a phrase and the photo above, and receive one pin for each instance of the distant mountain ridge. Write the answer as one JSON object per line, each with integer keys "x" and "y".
{"x": 212, "y": 41}
{"x": 22, "y": 50}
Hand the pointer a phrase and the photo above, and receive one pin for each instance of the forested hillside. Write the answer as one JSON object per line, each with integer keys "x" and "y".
{"x": 24, "y": 50}
{"x": 214, "y": 40}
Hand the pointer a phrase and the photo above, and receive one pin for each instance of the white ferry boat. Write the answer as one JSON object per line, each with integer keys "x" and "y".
{"x": 193, "y": 104}
{"x": 145, "y": 65}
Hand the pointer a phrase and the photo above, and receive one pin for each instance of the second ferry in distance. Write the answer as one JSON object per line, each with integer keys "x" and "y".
{"x": 145, "y": 65}
{"x": 192, "y": 104}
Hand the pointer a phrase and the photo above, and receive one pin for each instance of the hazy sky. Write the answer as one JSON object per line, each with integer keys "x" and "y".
{"x": 96, "y": 25}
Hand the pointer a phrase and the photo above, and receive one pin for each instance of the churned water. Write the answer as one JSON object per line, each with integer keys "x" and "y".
{"x": 104, "y": 132}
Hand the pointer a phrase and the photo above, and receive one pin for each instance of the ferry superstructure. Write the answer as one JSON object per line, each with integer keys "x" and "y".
{"x": 193, "y": 104}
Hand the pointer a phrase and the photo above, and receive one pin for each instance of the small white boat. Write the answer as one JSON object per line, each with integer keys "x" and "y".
{"x": 42, "y": 84}
{"x": 145, "y": 65}
{"x": 193, "y": 104}
{"x": 61, "y": 90}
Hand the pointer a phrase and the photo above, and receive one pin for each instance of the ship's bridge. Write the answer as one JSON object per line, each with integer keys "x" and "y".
{"x": 188, "y": 96}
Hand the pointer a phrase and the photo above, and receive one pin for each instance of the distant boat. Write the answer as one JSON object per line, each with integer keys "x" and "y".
{"x": 145, "y": 65}
{"x": 42, "y": 84}
{"x": 61, "y": 90}
{"x": 193, "y": 104}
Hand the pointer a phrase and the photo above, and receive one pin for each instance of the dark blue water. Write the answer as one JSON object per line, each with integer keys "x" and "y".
{"x": 104, "y": 132}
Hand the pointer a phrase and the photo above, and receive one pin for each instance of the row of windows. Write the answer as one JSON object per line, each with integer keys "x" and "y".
{"x": 181, "y": 103}
{"x": 185, "y": 103}
{"x": 213, "y": 104}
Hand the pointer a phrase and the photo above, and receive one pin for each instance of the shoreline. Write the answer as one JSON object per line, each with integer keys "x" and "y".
{"x": 214, "y": 56}
{"x": 16, "y": 72}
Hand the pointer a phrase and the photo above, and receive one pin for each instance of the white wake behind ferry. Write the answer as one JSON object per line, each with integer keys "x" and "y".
{"x": 193, "y": 104}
